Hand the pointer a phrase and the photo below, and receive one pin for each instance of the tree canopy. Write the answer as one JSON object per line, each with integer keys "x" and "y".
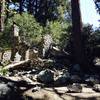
{"x": 60, "y": 18}
{"x": 97, "y": 3}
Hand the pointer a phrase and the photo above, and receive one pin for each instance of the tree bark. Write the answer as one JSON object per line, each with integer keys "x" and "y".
{"x": 30, "y": 6}
{"x": 2, "y": 15}
{"x": 78, "y": 53}
{"x": 20, "y": 6}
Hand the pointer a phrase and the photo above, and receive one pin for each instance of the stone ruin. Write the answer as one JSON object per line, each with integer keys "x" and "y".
{"x": 44, "y": 45}
{"x": 19, "y": 48}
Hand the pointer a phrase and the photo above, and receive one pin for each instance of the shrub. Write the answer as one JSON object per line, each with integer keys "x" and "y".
{"x": 59, "y": 31}
{"x": 29, "y": 28}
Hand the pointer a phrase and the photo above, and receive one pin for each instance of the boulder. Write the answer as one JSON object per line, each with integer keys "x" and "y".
{"x": 75, "y": 88}
{"x": 96, "y": 87}
{"x": 63, "y": 78}
{"x": 45, "y": 76}
{"x": 4, "y": 92}
{"x": 8, "y": 91}
{"x": 91, "y": 80}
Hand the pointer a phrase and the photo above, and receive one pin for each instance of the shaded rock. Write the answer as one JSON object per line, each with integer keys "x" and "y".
{"x": 45, "y": 76}
{"x": 4, "y": 92}
{"x": 76, "y": 88}
{"x": 75, "y": 79}
{"x": 64, "y": 78}
{"x": 91, "y": 80}
{"x": 96, "y": 87}
{"x": 37, "y": 88}
{"x": 76, "y": 70}
{"x": 8, "y": 92}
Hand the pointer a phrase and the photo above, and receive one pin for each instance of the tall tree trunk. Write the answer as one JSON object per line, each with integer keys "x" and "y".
{"x": 76, "y": 32}
{"x": 2, "y": 13}
{"x": 30, "y": 6}
{"x": 36, "y": 6}
{"x": 20, "y": 6}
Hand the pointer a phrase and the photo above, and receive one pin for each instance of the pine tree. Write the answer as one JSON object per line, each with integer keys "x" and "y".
{"x": 77, "y": 33}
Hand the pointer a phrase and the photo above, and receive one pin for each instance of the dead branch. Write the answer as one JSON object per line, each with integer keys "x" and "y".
{"x": 18, "y": 65}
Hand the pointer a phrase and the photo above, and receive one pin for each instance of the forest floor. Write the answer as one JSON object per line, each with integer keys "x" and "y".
{"x": 51, "y": 83}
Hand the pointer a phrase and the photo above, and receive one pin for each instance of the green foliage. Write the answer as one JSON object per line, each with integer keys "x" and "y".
{"x": 43, "y": 10}
{"x": 91, "y": 40}
{"x": 90, "y": 36}
{"x": 59, "y": 31}
{"x": 32, "y": 31}
{"x": 3, "y": 71}
{"x": 29, "y": 28}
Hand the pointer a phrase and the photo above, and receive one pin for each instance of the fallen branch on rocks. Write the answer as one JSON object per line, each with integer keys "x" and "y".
{"x": 20, "y": 82}
{"x": 18, "y": 65}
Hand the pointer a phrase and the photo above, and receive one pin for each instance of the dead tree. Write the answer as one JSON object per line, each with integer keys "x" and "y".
{"x": 18, "y": 45}
{"x": 15, "y": 41}
{"x": 2, "y": 15}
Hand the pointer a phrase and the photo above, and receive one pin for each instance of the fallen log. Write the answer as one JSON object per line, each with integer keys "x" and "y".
{"x": 18, "y": 65}
{"x": 19, "y": 83}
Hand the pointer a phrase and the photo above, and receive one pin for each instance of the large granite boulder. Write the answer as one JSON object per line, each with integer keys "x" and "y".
{"x": 63, "y": 78}
{"x": 45, "y": 76}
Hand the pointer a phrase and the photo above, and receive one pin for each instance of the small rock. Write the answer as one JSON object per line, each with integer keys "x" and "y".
{"x": 37, "y": 88}
{"x": 61, "y": 90}
{"x": 91, "y": 80}
{"x": 17, "y": 57}
{"x": 63, "y": 78}
{"x": 33, "y": 71}
{"x": 96, "y": 87}
{"x": 46, "y": 76}
{"x": 75, "y": 88}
